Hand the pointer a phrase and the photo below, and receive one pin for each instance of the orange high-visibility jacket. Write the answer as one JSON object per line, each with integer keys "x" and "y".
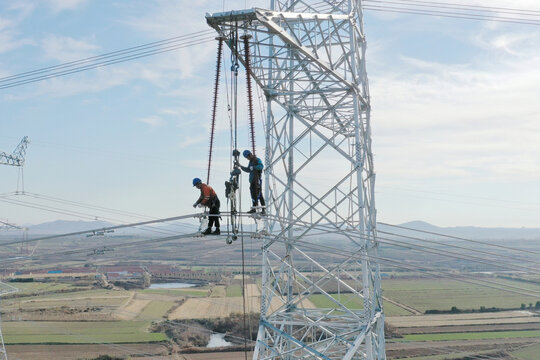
{"x": 207, "y": 194}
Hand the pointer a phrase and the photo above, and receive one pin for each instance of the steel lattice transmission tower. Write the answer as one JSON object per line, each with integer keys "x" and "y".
{"x": 321, "y": 295}
{"x": 17, "y": 157}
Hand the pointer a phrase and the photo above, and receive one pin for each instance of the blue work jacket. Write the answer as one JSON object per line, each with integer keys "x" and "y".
{"x": 254, "y": 168}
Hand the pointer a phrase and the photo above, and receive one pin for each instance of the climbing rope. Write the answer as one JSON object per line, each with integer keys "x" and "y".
{"x": 233, "y": 184}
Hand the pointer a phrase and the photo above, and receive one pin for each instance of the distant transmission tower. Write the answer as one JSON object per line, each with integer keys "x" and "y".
{"x": 321, "y": 291}
{"x": 17, "y": 159}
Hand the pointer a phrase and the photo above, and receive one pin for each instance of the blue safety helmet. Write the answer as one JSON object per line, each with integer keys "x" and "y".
{"x": 196, "y": 181}
{"x": 246, "y": 153}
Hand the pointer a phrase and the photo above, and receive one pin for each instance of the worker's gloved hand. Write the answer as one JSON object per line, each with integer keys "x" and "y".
{"x": 195, "y": 205}
{"x": 251, "y": 168}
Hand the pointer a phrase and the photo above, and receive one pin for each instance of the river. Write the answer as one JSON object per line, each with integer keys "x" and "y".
{"x": 217, "y": 340}
{"x": 172, "y": 286}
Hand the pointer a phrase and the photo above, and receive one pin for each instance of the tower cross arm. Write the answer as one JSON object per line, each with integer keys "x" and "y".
{"x": 17, "y": 157}
{"x": 6, "y": 225}
{"x": 291, "y": 16}
{"x": 266, "y": 18}
{"x": 252, "y": 14}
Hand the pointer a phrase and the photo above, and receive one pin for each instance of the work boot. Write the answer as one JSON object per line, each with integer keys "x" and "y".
{"x": 263, "y": 212}
{"x": 207, "y": 231}
{"x": 216, "y": 232}
{"x": 252, "y": 211}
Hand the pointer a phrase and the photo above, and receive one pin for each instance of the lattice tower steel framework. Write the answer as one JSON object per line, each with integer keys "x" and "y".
{"x": 17, "y": 157}
{"x": 309, "y": 59}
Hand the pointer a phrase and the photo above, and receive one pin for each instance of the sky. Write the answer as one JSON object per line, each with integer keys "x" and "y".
{"x": 455, "y": 115}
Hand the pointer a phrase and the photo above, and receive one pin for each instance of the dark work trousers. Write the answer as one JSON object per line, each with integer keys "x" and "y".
{"x": 214, "y": 210}
{"x": 255, "y": 188}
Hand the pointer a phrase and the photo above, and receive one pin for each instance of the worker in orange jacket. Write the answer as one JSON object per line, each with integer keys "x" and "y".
{"x": 209, "y": 199}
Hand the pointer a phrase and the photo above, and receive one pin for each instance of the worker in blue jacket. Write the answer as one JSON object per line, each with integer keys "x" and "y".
{"x": 254, "y": 168}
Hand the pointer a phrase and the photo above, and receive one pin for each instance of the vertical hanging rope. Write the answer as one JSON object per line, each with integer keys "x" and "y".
{"x": 214, "y": 106}
{"x": 246, "y": 38}
{"x": 249, "y": 92}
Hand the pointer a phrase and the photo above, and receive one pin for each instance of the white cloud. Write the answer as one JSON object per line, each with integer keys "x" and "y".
{"x": 456, "y": 122}
{"x": 64, "y": 48}
{"x": 61, "y": 5}
{"x": 171, "y": 112}
{"x": 152, "y": 121}
{"x": 188, "y": 141}
{"x": 9, "y": 34}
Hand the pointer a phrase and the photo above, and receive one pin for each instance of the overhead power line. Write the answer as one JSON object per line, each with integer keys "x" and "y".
{"x": 106, "y": 59}
{"x": 446, "y": 253}
{"x": 427, "y": 269}
{"x": 505, "y": 255}
{"x": 325, "y": 248}
{"x": 453, "y": 10}
{"x": 116, "y": 227}
{"x": 109, "y": 54}
{"x": 462, "y": 6}
{"x": 462, "y": 239}
{"x": 317, "y": 247}
{"x": 83, "y": 215}
{"x": 129, "y": 214}
{"x": 415, "y": 7}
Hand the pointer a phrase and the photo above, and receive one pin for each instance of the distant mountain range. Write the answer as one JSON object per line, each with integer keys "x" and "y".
{"x": 426, "y": 230}
{"x": 67, "y": 226}
{"x": 472, "y": 232}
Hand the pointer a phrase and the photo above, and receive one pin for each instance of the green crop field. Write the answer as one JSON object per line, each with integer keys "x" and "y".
{"x": 38, "y": 287}
{"x": 474, "y": 335}
{"x": 155, "y": 310}
{"x": 83, "y": 293}
{"x": 85, "y": 298}
{"x": 428, "y": 294}
{"x": 321, "y": 301}
{"x": 36, "y": 332}
{"x": 234, "y": 290}
{"x": 394, "y": 310}
{"x": 354, "y": 303}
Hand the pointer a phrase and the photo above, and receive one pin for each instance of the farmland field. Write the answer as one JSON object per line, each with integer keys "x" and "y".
{"x": 234, "y": 290}
{"x": 61, "y": 305}
{"x": 155, "y": 310}
{"x": 218, "y": 291}
{"x": 36, "y": 287}
{"x": 80, "y": 298}
{"x": 87, "y": 351}
{"x": 529, "y": 353}
{"x": 198, "y": 308}
{"x": 427, "y": 294}
{"x": 322, "y": 301}
{"x": 495, "y": 318}
{"x": 36, "y": 332}
{"x": 474, "y": 335}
